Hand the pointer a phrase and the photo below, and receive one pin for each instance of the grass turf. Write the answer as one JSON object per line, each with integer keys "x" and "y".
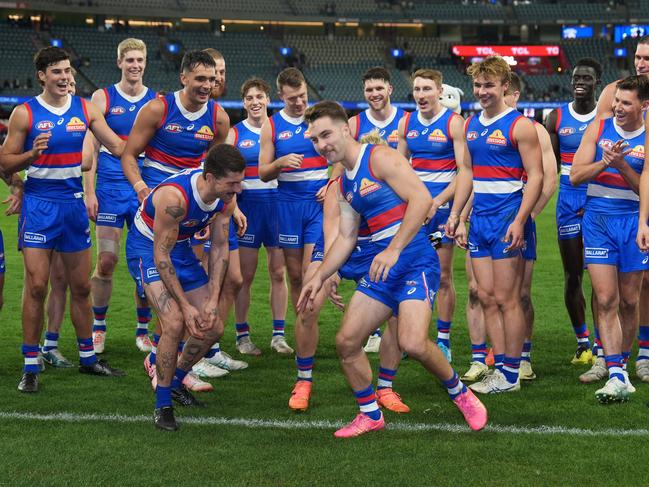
{"x": 86, "y": 452}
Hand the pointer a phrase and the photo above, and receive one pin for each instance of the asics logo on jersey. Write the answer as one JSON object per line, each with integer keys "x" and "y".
{"x": 596, "y": 253}
{"x": 425, "y": 131}
{"x": 174, "y": 128}
{"x": 60, "y": 121}
{"x": 496, "y": 138}
{"x": 412, "y": 134}
{"x": 131, "y": 108}
{"x": 484, "y": 132}
{"x": 583, "y": 127}
{"x": 566, "y": 131}
{"x": 645, "y": 260}
{"x": 368, "y": 187}
{"x": 117, "y": 110}
{"x": 204, "y": 133}
{"x": 411, "y": 291}
{"x": 437, "y": 136}
{"x": 637, "y": 152}
{"x": 247, "y": 144}
{"x": 382, "y": 133}
{"x": 45, "y": 125}
{"x": 287, "y": 134}
{"x": 190, "y": 127}
{"x": 298, "y": 130}
{"x": 75, "y": 125}
{"x": 473, "y": 135}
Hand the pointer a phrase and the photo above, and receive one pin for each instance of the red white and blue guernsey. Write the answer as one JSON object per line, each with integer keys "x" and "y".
{"x": 416, "y": 273}
{"x": 611, "y": 216}
{"x": 300, "y": 215}
{"x": 432, "y": 157}
{"x": 497, "y": 182}
{"x": 117, "y": 200}
{"x": 258, "y": 200}
{"x": 388, "y": 129}
{"x": 181, "y": 140}
{"x": 570, "y": 129}
{"x": 198, "y": 216}
{"x": 54, "y": 215}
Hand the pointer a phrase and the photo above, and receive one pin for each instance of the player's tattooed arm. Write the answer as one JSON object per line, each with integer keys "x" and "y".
{"x": 219, "y": 253}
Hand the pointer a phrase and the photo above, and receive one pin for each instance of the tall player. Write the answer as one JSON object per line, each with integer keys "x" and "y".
{"x": 46, "y": 138}
{"x": 258, "y": 201}
{"x": 111, "y": 203}
{"x": 611, "y": 158}
{"x": 605, "y": 109}
{"x": 502, "y": 145}
{"x": 567, "y": 125}
{"x": 433, "y": 138}
{"x": 383, "y": 117}
{"x": 287, "y": 154}
{"x": 185, "y": 297}
{"x": 174, "y": 132}
{"x": 379, "y": 186}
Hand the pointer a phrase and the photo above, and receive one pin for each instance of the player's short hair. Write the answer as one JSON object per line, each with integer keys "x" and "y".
{"x": 589, "y": 62}
{"x": 491, "y": 66}
{"x": 223, "y": 159}
{"x": 130, "y": 44}
{"x": 292, "y": 77}
{"x": 637, "y": 83}
{"x": 373, "y": 138}
{"x": 258, "y": 83}
{"x": 191, "y": 59}
{"x": 216, "y": 55}
{"x": 431, "y": 74}
{"x": 377, "y": 72}
{"x": 515, "y": 84}
{"x": 325, "y": 108}
{"x": 49, "y": 55}
{"x": 644, "y": 40}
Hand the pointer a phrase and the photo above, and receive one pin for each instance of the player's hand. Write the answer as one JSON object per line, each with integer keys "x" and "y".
{"x": 240, "y": 221}
{"x": 431, "y": 212}
{"x": 92, "y": 205}
{"x": 204, "y": 234}
{"x": 193, "y": 321}
{"x": 309, "y": 292}
{"x": 320, "y": 195}
{"x": 335, "y": 298}
{"x": 642, "y": 239}
{"x": 614, "y": 155}
{"x": 451, "y": 225}
{"x": 143, "y": 193}
{"x": 40, "y": 144}
{"x": 514, "y": 236}
{"x": 382, "y": 263}
{"x": 461, "y": 236}
{"x": 14, "y": 204}
{"x": 210, "y": 316}
{"x": 290, "y": 161}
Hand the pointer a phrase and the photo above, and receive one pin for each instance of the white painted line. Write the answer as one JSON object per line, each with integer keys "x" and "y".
{"x": 321, "y": 425}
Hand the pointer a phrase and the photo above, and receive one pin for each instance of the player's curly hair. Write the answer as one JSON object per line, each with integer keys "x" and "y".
{"x": 491, "y": 66}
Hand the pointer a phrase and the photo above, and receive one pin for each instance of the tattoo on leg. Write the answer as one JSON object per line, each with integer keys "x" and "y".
{"x": 164, "y": 361}
{"x": 189, "y": 355}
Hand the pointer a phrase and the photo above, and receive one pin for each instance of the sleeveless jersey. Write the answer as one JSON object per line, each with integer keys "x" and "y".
{"x": 198, "y": 216}
{"x": 182, "y": 138}
{"x": 609, "y": 192}
{"x": 372, "y": 199}
{"x": 56, "y": 174}
{"x": 290, "y": 135}
{"x": 431, "y": 149}
{"x": 121, "y": 110}
{"x": 497, "y": 164}
{"x": 246, "y": 139}
{"x": 570, "y": 129}
{"x": 388, "y": 129}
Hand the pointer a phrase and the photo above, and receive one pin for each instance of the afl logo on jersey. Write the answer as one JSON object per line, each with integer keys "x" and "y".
{"x": 204, "y": 133}
{"x": 566, "y": 131}
{"x": 287, "y": 134}
{"x": 75, "y": 125}
{"x": 117, "y": 111}
{"x": 349, "y": 196}
{"x": 190, "y": 223}
{"x": 247, "y": 144}
{"x": 437, "y": 136}
{"x": 45, "y": 125}
{"x": 473, "y": 135}
{"x": 496, "y": 138}
{"x": 174, "y": 128}
{"x": 605, "y": 143}
{"x": 412, "y": 134}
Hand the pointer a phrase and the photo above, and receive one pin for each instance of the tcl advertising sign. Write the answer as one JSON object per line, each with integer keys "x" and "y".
{"x": 540, "y": 51}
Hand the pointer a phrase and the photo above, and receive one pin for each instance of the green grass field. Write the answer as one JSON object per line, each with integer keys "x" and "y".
{"x": 81, "y": 430}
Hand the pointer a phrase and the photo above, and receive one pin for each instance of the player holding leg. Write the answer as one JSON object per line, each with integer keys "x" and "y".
{"x": 610, "y": 158}
{"x": 45, "y": 138}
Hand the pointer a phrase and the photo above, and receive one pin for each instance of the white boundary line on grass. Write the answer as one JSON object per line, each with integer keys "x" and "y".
{"x": 321, "y": 425}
